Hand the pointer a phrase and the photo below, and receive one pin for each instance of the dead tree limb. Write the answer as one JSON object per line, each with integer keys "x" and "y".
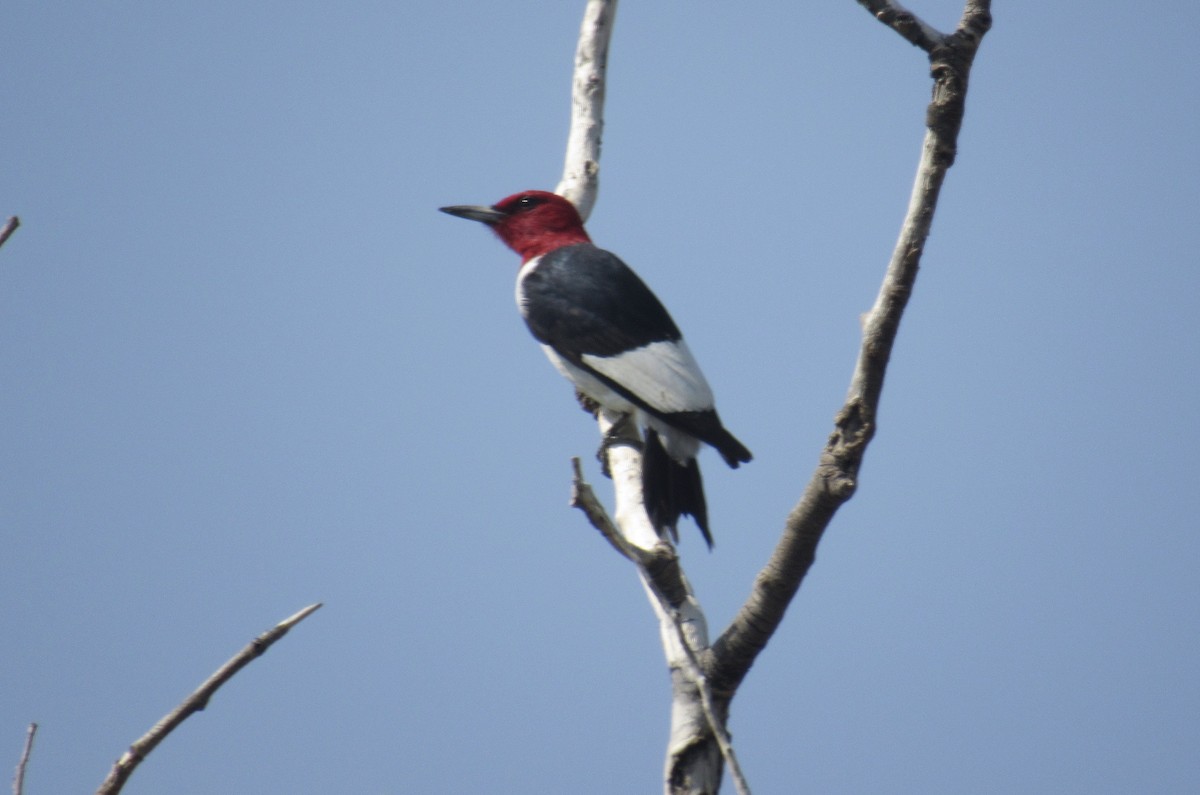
{"x": 682, "y": 624}
{"x": 705, "y": 678}
{"x": 581, "y": 169}
{"x": 123, "y": 768}
{"x": 9, "y": 227}
{"x": 836, "y": 475}
{"x": 18, "y": 787}
{"x": 672, "y": 599}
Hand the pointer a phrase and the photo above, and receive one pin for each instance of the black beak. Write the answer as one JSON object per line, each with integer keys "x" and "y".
{"x": 485, "y": 215}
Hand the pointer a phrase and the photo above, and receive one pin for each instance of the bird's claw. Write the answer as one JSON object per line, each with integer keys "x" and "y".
{"x": 619, "y": 434}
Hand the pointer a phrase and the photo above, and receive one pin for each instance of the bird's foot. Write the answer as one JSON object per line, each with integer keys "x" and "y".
{"x": 587, "y": 404}
{"x": 622, "y": 433}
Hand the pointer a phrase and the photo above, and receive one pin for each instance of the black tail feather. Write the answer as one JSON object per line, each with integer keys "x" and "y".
{"x": 733, "y": 451}
{"x": 706, "y": 426}
{"x": 671, "y": 489}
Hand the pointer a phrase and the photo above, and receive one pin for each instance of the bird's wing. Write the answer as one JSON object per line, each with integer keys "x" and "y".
{"x": 596, "y": 314}
{"x": 664, "y": 375}
{"x": 583, "y": 300}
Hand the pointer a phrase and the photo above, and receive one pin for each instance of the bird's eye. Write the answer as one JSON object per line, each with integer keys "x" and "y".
{"x": 527, "y": 203}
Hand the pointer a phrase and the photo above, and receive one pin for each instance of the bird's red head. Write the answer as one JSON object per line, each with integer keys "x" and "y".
{"x": 531, "y": 223}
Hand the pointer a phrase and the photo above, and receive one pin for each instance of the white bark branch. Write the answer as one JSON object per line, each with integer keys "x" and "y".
{"x": 581, "y": 170}
{"x": 123, "y": 768}
{"x": 693, "y": 765}
{"x": 696, "y": 714}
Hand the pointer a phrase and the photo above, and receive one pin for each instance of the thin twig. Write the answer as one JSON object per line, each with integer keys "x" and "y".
{"x": 19, "y": 777}
{"x": 196, "y": 702}
{"x": 584, "y": 498}
{"x": 9, "y": 227}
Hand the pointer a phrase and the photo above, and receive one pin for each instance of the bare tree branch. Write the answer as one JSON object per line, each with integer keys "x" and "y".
{"x": 123, "y": 768}
{"x": 9, "y": 227}
{"x": 584, "y": 498}
{"x": 904, "y": 22}
{"x": 581, "y": 171}
{"x": 669, "y": 591}
{"x": 697, "y": 718}
{"x": 19, "y": 777}
{"x": 715, "y": 712}
{"x": 836, "y": 475}
{"x": 704, "y": 678}
{"x": 660, "y": 563}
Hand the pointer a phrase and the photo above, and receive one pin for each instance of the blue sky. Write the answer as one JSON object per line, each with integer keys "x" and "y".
{"x": 245, "y": 366}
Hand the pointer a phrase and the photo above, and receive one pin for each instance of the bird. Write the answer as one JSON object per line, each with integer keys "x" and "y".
{"x": 607, "y": 332}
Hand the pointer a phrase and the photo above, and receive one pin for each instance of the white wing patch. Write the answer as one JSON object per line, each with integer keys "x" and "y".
{"x": 589, "y": 384}
{"x": 663, "y": 374}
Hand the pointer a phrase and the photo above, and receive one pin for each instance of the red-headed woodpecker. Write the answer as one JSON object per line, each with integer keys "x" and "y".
{"x": 606, "y": 332}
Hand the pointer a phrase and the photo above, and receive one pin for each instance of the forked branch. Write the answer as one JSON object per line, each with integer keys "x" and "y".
{"x": 672, "y": 598}
{"x": 698, "y": 718}
{"x": 836, "y": 475}
{"x": 699, "y": 671}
